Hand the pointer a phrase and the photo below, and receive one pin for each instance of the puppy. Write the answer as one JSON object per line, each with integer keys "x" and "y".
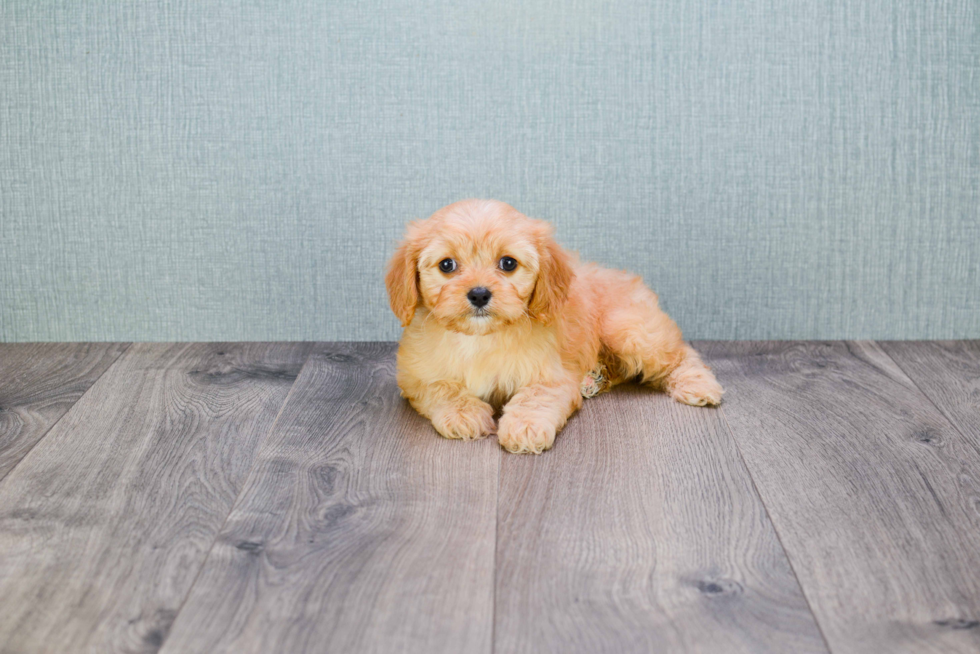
{"x": 496, "y": 314}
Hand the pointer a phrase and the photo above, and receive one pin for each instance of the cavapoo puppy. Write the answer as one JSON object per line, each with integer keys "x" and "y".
{"x": 496, "y": 314}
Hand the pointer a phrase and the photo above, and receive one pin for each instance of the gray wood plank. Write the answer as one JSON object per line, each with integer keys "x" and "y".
{"x": 873, "y": 493}
{"x": 359, "y": 529}
{"x": 39, "y": 382}
{"x": 641, "y": 532}
{"x": 105, "y": 523}
{"x": 948, "y": 373}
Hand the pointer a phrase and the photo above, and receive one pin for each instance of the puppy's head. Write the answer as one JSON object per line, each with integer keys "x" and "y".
{"x": 478, "y": 265}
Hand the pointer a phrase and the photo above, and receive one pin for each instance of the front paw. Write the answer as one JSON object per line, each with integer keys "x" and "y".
{"x": 469, "y": 422}
{"x": 524, "y": 432}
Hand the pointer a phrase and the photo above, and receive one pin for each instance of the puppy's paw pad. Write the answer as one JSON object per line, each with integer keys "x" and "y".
{"x": 525, "y": 433}
{"x": 468, "y": 423}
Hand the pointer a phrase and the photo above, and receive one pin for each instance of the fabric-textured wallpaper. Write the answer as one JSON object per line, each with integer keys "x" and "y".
{"x": 209, "y": 170}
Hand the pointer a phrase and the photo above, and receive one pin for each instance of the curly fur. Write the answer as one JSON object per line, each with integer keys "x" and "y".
{"x": 548, "y": 325}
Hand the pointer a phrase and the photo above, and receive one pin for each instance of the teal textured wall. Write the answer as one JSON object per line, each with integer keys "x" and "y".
{"x": 213, "y": 170}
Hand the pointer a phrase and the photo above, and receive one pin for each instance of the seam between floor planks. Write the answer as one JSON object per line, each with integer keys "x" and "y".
{"x": 496, "y": 548}
{"x": 195, "y": 402}
{"x": 343, "y": 529}
{"x": 795, "y": 380}
{"x": 952, "y": 420}
{"x": 124, "y": 348}
{"x": 251, "y": 471}
{"x": 641, "y": 531}
{"x": 775, "y": 529}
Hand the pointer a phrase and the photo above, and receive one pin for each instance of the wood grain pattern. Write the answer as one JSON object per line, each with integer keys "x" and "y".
{"x": 39, "y": 382}
{"x": 359, "y": 529}
{"x": 641, "y": 532}
{"x": 873, "y": 493}
{"x": 105, "y": 524}
{"x": 948, "y": 373}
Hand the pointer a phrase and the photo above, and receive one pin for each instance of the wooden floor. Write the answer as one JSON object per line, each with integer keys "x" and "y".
{"x": 282, "y": 498}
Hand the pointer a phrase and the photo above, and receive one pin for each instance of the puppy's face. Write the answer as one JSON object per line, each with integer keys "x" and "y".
{"x": 478, "y": 266}
{"x": 474, "y": 282}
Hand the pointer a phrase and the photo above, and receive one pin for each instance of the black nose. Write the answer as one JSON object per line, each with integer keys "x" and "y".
{"x": 479, "y": 296}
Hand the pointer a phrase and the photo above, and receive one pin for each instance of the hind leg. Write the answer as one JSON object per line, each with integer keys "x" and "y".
{"x": 692, "y": 382}
{"x": 647, "y": 343}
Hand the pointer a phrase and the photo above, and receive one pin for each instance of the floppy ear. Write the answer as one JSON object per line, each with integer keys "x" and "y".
{"x": 402, "y": 277}
{"x": 554, "y": 278}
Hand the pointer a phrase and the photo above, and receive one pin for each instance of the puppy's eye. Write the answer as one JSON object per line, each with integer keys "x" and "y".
{"x": 447, "y": 265}
{"x": 508, "y": 264}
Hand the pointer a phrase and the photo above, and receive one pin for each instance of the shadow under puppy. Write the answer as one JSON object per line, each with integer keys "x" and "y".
{"x": 497, "y": 314}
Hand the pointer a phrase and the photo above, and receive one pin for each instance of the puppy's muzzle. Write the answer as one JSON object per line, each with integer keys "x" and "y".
{"x": 479, "y": 297}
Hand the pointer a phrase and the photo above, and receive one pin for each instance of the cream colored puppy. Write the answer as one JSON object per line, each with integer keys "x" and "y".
{"x": 496, "y": 314}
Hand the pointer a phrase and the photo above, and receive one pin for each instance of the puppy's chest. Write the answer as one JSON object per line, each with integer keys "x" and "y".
{"x": 497, "y": 366}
